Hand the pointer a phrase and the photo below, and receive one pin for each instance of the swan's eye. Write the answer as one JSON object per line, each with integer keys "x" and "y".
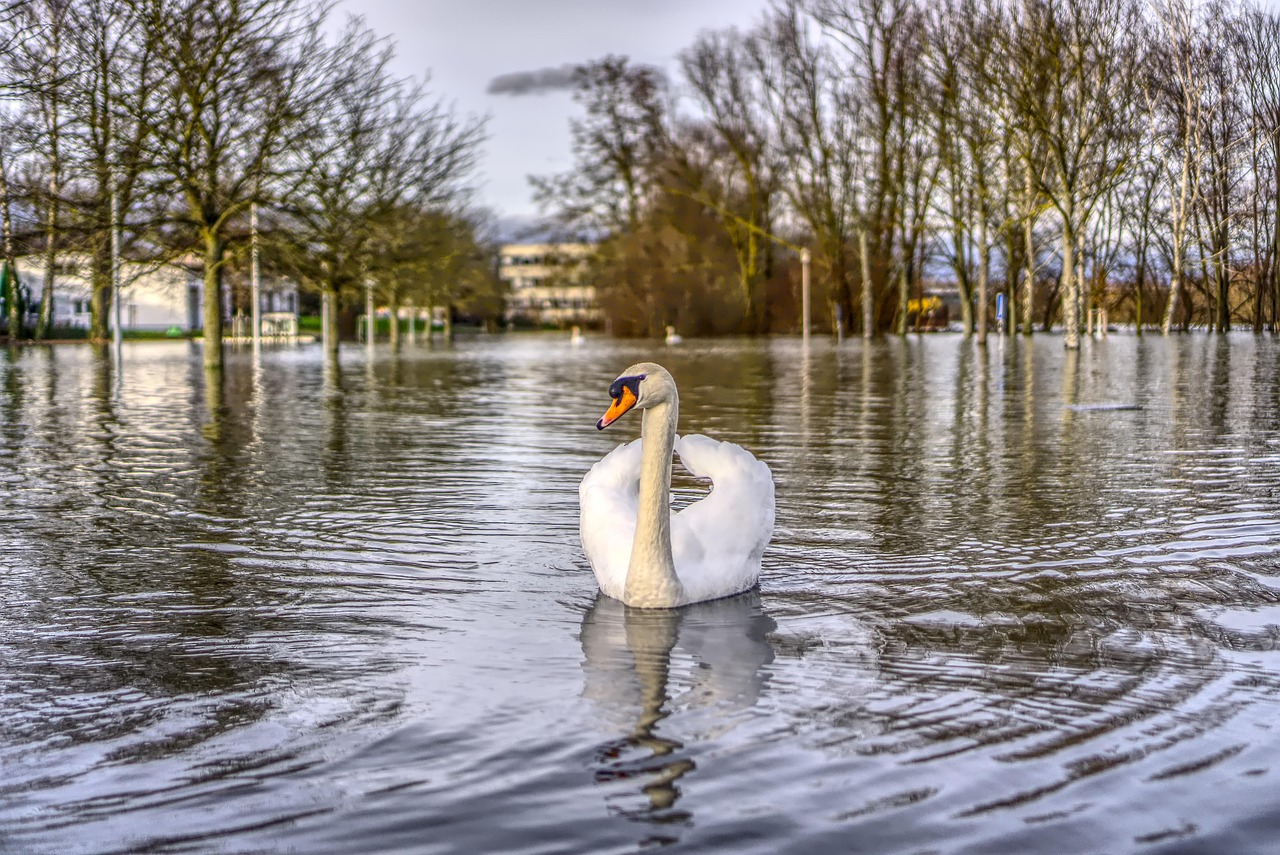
{"x": 632, "y": 383}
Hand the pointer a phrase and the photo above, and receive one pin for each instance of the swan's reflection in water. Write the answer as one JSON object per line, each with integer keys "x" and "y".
{"x": 642, "y": 666}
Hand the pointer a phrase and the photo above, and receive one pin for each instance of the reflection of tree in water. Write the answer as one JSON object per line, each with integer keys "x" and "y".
{"x": 643, "y": 666}
{"x": 131, "y": 584}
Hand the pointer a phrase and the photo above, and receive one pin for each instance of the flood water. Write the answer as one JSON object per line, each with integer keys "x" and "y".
{"x": 1017, "y": 601}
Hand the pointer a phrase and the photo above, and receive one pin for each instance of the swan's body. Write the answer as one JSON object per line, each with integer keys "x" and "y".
{"x": 673, "y": 337}
{"x": 641, "y": 552}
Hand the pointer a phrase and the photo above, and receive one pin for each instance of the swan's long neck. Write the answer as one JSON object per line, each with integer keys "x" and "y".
{"x": 651, "y": 577}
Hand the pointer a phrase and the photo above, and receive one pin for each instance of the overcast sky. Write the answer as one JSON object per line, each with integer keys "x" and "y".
{"x": 467, "y": 45}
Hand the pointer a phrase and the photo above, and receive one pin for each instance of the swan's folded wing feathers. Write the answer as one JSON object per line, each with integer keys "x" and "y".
{"x": 725, "y": 532}
{"x": 608, "y": 500}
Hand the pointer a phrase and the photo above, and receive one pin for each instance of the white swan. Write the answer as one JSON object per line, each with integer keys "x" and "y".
{"x": 642, "y": 553}
{"x": 673, "y": 337}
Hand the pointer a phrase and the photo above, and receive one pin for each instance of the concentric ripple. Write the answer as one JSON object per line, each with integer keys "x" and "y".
{"x": 1018, "y": 600}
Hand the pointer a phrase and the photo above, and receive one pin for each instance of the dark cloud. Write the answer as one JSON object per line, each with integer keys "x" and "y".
{"x": 534, "y": 82}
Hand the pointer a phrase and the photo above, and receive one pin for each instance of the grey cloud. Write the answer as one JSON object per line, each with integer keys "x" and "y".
{"x": 534, "y": 82}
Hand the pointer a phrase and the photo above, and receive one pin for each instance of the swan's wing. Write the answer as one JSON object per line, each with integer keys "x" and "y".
{"x": 608, "y": 499}
{"x": 721, "y": 538}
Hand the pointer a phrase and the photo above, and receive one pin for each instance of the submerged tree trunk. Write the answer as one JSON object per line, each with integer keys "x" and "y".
{"x": 214, "y": 250}
{"x": 868, "y": 305}
{"x": 1175, "y": 285}
{"x": 1139, "y": 284}
{"x": 1223, "y": 275}
{"x": 394, "y": 305}
{"x": 1070, "y": 288}
{"x": 1275, "y": 262}
{"x": 984, "y": 263}
{"x": 329, "y": 321}
{"x": 963, "y": 284}
{"x": 45, "y": 321}
{"x": 100, "y": 295}
{"x": 904, "y": 293}
{"x": 10, "y": 278}
{"x": 1029, "y": 257}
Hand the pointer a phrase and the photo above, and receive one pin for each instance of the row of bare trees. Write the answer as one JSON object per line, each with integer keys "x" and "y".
{"x": 1068, "y": 154}
{"x": 160, "y": 124}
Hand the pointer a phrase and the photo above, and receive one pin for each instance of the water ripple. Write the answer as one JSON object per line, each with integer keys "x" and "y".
{"x": 300, "y": 610}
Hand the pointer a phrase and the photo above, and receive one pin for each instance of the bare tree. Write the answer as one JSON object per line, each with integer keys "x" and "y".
{"x": 41, "y": 59}
{"x": 949, "y": 33}
{"x": 8, "y": 277}
{"x": 881, "y": 43}
{"x": 1259, "y": 54}
{"x": 14, "y": 28}
{"x": 718, "y": 67}
{"x": 615, "y": 146}
{"x": 380, "y": 148}
{"x": 815, "y": 111}
{"x": 1083, "y": 69}
{"x": 1223, "y": 163}
{"x": 109, "y": 190}
{"x": 235, "y": 104}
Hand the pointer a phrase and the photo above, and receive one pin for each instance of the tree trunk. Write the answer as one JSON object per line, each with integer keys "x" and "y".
{"x": 963, "y": 285}
{"x": 1223, "y": 276}
{"x": 1029, "y": 258}
{"x": 100, "y": 295}
{"x": 868, "y": 304}
{"x": 1139, "y": 284}
{"x": 984, "y": 263}
{"x": 329, "y": 321}
{"x": 45, "y": 320}
{"x": 1010, "y": 280}
{"x": 212, "y": 315}
{"x": 394, "y": 303}
{"x": 1175, "y": 285}
{"x": 904, "y": 290}
{"x": 1275, "y": 262}
{"x": 1070, "y": 288}
{"x": 10, "y": 278}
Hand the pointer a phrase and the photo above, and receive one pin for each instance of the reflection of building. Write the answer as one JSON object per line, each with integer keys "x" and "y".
{"x": 547, "y": 284}
{"x": 153, "y": 296}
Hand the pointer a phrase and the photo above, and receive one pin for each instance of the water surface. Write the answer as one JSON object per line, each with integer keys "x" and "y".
{"x": 1017, "y": 601}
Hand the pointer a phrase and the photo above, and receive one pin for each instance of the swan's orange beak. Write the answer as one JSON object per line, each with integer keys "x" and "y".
{"x": 625, "y": 401}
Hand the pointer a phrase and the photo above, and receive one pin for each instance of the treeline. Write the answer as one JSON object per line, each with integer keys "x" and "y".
{"x": 1070, "y": 154}
{"x": 165, "y": 126}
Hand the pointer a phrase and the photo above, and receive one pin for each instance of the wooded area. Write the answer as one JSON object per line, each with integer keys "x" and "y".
{"x": 160, "y": 124}
{"x": 1070, "y": 154}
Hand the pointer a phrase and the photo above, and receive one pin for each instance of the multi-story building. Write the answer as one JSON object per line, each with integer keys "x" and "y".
{"x": 548, "y": 284}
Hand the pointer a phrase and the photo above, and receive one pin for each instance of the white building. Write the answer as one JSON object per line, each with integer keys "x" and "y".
{"x": 156, "y": 297}
{"x": 547, "y": 284}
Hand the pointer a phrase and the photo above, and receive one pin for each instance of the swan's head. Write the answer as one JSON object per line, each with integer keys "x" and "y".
{"x": 642, "y": 385}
